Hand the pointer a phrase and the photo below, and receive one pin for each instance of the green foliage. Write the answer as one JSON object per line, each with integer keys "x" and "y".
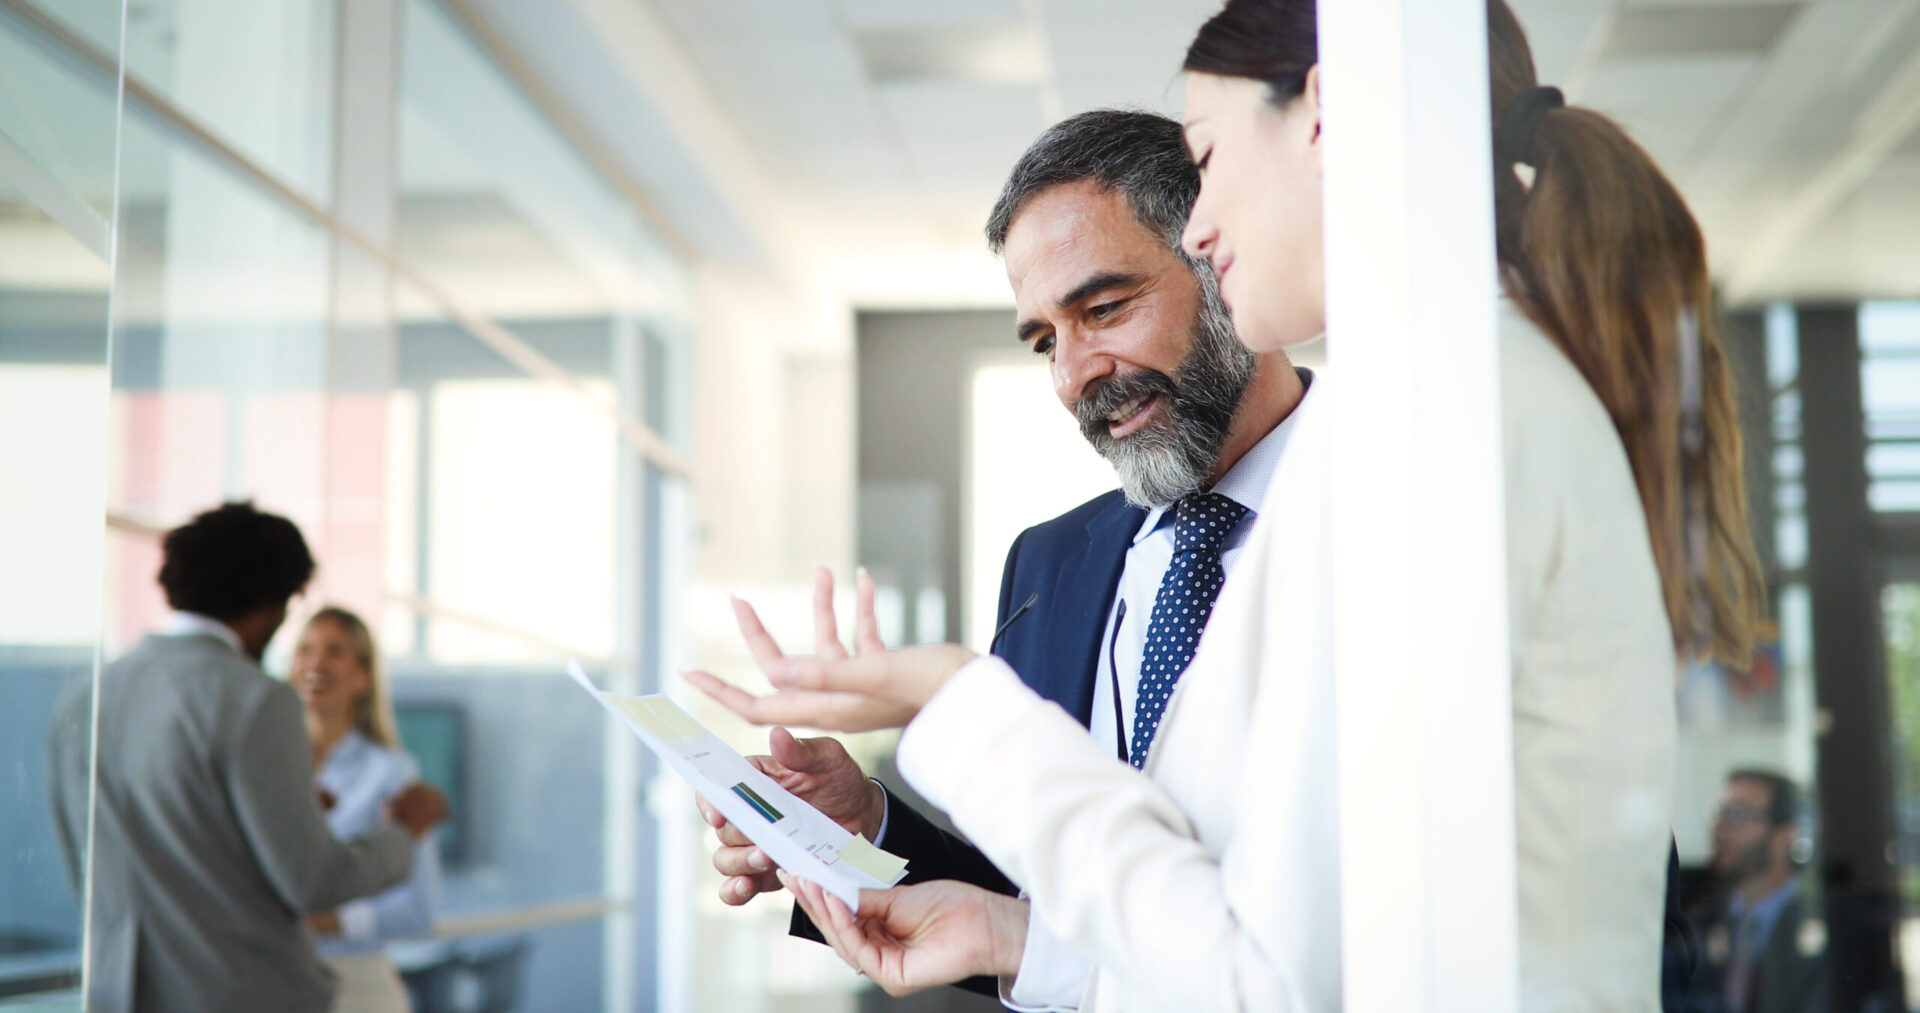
{"x": 1900, "y": 612}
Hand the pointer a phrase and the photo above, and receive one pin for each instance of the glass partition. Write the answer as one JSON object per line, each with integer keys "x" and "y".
{"x": 58, "y": 141}
{"x": 1791, "y": 131}
{"x": 458, "y": 408}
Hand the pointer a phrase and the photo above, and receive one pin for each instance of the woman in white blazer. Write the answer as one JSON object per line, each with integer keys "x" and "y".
{"x": 1209, "y": 880}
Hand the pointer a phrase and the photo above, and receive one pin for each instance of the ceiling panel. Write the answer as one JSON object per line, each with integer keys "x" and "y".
{"x": 1092, "y": 13}
{"x": 702, "y": 16}
{"x": 1003, "y": 50}
{"x": 813, "y": 59}
{"x": 1672, "y": 105}
{"x": 1129, "y": 64}
{"x": 1121, "y": 91}
{"x": 1779, "y": 100}
{"x": 1742, "y": 100}
{"x": 1674, "y": 29}
{"x": 1560, "y": 32}
{"x": 1797, "y": 116}
{"x": 882, "y": 15}
{"x": 964, "y": 134}
{"x": 858, "y": 164}
{"x": 1865, "y": 250}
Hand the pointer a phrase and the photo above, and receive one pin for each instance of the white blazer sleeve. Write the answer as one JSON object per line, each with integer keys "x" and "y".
{"x": 1246, "y": 918}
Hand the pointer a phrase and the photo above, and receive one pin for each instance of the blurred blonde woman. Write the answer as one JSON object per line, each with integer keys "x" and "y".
{"x": 359, "y": 764}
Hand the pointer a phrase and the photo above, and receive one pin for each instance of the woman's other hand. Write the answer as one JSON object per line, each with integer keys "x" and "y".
{"x": 876, "y": 688}
{"x": 914, "y": 937}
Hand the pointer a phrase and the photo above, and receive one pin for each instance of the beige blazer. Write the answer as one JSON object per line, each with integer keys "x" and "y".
{"x": 1211, "y": 880}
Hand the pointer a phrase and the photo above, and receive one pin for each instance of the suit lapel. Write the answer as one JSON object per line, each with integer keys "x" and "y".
{"x": 1082, "y": 597}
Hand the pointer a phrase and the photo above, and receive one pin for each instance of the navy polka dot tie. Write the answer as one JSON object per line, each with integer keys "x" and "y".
{"x": 1201, "y": 524}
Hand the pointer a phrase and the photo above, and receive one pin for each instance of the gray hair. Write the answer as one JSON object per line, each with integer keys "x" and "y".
{"x": 1141, "y": 155}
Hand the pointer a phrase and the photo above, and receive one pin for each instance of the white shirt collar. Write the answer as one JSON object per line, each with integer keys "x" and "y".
{"x": 188, "y": 624}
{"x": 348, "y": 751}
{"x": 1246, "y": 482}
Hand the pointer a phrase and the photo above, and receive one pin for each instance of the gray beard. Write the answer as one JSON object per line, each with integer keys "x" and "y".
{"x": 1171, "y": 458}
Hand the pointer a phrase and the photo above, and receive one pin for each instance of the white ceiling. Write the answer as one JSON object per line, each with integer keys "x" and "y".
{"x": 891, "y": 124}
{"x": 1793, "y": 127}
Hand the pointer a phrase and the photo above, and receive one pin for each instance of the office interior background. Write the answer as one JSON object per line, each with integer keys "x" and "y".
{"x": 554, "y": 323}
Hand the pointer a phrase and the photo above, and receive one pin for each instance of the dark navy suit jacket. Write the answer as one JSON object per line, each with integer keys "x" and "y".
{"x": 1069, "y": 568}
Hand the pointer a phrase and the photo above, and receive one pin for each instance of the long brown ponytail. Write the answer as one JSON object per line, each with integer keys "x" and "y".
{"x": 1602, "y": 253}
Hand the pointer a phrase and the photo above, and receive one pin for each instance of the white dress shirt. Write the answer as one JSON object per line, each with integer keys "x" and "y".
{"x": 1210, "y": 880}
{"x": 362, "y": 775}
{"x": 1053, "y": 976}
{"x": 193, "y": 624}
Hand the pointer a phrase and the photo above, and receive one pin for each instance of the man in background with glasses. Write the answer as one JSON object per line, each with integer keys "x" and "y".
{"x": 1763, "y": 949}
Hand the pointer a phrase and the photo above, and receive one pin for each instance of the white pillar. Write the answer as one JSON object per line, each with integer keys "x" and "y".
{"x": 1426, "y": 777}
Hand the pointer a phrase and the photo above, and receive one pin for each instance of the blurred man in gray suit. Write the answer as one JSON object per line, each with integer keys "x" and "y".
{"x": 208, "y": 842}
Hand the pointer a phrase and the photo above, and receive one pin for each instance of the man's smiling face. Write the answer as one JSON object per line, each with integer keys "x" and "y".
{"x": 1152, "y": 378}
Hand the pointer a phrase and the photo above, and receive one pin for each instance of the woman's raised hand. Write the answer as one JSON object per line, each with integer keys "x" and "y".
{"x": 914, "y": 937}
{"x": 875, "y": 688}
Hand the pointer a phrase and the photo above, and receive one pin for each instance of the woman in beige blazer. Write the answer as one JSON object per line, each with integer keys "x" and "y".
{"x": 1209, "y": 880}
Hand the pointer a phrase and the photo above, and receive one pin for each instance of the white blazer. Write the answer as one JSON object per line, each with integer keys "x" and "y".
{"x": 1211, "y": 880}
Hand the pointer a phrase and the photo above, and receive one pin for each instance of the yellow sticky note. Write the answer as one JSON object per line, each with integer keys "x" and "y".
{"x": 881, "y": 865}
{"x": 682, "y": 723}
{"x": 658, "y": 715}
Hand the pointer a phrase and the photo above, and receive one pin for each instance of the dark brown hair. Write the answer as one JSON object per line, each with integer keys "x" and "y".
{"x": 233, "y": 560}
{"x": 1603, "y": 255}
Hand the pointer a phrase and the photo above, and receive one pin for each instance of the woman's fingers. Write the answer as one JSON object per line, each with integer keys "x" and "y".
{"x": 866, "y": 629}
{"x": 876, "y": 904}
{"x": 840, "y": 712}
{"x": 812, "y": 900}
{"x": 869, "y": 674}
{"x": 724, "y": 693}
{"x": 826, "y": 630}
{"x": 856, "y": 947}
{"x": 766, "y": 651}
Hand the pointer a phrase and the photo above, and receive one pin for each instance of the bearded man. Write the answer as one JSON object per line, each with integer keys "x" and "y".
{"x": 1144, "y": 357}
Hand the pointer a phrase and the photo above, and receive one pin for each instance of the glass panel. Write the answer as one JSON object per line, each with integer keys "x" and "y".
{"x": 1789, "y": 130}
{"x": 1890, "y": 388}
{"x": 495, "y": 207}
{"x": 58, "y": 136}
{"x": 57, "y": 116}
{"x": 1900, "y": 604}
{"x": 258, "y": 76}
{"x": 488, "y": 523}
{"x": 219, "y": 362}
{"x": 1012, "y": 404}
{"x": 503, "y": 556}
{"x": 1791, "y": 136}
{"x": 53, "y": 400}
{"x": 502, "y": 455}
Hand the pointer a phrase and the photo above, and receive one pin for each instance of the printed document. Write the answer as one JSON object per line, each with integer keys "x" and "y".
{"x": 796, "y": 836}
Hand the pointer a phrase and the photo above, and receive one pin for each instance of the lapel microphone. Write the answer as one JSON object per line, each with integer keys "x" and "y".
{"x": 1017, "y": 613}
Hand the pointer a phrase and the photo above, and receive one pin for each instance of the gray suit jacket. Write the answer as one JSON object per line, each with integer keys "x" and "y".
{"x": 208, "y": 844}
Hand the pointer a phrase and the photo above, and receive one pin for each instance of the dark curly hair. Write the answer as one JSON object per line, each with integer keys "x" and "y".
{"x": 232, "y": 561}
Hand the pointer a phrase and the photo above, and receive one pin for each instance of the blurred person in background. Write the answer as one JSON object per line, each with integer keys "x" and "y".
{"x": 1764, "y": 947}
{"x": 208, "y": 847}
{"x": 360, "y": 765}
{"x": 1210, "y": 879}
